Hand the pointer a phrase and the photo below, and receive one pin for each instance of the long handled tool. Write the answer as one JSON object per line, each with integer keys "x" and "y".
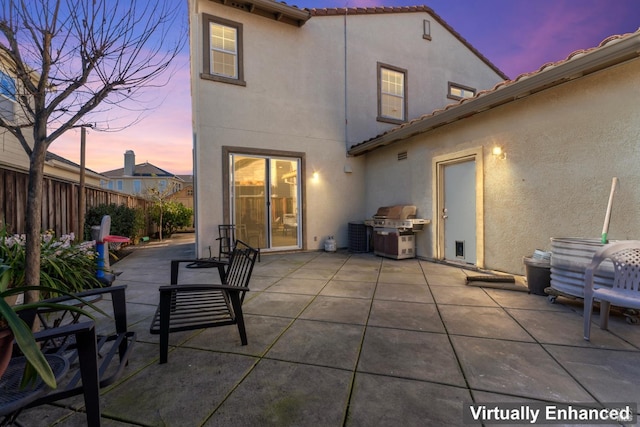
{"x": 607, "y": 218}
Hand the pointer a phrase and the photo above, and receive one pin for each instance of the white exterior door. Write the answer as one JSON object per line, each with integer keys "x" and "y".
{"x": 459, "y": 212}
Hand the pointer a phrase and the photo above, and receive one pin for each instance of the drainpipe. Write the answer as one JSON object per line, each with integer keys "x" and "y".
{"x": 346, "y": 93}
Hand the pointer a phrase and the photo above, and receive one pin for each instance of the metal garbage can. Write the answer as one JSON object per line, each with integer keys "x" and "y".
{"x": 538, "y": 273}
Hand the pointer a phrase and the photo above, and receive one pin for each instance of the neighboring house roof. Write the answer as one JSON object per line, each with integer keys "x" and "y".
{"x": 407, "y": 9}
{"x": 188, "y": 179}
{"x": 51, "y": 157}
{"x": 145, "y": 169}
{"x": 613, "y": 50}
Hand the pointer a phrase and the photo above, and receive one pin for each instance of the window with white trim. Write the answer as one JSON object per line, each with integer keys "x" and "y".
{"x": 457, "y": 91}
{"x": 222, "y": 50}
{"x": 392, "y": 89}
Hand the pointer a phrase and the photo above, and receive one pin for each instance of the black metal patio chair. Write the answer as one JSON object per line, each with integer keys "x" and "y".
{"x": 186, "y": 307}
{"x": 86, "y": 359}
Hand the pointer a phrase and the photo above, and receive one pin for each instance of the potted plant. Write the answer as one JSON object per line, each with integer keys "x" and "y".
{"x": 66, "y": 268}
{"x": 13, "y": 327}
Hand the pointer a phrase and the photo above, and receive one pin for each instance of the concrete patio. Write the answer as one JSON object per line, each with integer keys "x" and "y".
{"x": 346, "y": 339}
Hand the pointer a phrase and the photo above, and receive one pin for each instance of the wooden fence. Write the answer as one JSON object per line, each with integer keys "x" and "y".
{"x": 59, "y": 202}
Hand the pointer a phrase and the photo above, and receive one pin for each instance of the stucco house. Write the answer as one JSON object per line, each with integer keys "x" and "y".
{"x": 560, "y": 134}
{"x": 280, "y": 95}
{"x": 138, "y": 179}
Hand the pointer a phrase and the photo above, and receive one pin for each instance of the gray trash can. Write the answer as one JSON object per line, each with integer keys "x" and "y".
{"x": 538, "y": 273}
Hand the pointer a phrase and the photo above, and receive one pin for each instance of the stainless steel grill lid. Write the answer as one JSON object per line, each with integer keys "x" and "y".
{"x": 396, "y": 212}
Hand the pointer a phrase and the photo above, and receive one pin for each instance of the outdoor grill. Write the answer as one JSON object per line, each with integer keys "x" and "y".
{"x": 394, "y": 229}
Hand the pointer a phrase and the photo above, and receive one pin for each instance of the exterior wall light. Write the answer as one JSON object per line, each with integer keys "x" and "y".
{"x": 315, "y": 176}
{"x": 499, "y": 153}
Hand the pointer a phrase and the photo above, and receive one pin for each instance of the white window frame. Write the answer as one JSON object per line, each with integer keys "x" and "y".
{"x": 208, "y": 72}
{"x": 382, "y": 93}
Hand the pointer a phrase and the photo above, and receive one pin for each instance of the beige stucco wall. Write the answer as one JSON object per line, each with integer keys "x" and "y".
{"x": 294, "y": 101}
{"x": 397, "y": 40}
{"x": 564, "y": 145}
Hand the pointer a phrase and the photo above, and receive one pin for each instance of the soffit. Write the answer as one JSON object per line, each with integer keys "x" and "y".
{"x": 278, "y": 11}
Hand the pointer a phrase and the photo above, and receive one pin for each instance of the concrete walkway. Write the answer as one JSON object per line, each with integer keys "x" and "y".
{"x": 356, "y": 340}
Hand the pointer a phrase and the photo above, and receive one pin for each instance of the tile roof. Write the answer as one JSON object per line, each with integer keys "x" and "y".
{"x": 529, "y": 82}
{"x": 405, "y": 9}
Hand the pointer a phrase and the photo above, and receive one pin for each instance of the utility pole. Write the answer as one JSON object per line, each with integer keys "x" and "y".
{"x": 81, "y": 191}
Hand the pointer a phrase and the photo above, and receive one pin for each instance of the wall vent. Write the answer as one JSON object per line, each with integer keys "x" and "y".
{"x": 402, "y": 155}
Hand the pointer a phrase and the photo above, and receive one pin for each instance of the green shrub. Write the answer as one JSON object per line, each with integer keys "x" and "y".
{"x": 125, "y": 221}
{"x": 175, "y": 215}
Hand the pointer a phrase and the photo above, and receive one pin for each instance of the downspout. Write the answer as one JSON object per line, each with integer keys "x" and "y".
{"x": 346, "y": 92}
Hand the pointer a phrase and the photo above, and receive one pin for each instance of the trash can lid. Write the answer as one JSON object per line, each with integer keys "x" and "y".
{"x": 534, "y": 262}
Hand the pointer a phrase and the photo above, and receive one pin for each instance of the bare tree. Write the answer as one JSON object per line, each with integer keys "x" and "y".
{"x": 73, "y": 59}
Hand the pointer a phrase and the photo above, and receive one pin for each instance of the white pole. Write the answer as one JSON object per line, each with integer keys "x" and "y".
{"x": 607, "y": 218}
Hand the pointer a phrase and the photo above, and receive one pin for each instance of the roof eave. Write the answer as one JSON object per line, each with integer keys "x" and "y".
{"x": 609, "y": 55}
{"x": 271, "y": 9}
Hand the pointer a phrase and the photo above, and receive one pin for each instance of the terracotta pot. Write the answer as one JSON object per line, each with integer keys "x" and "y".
{"x": 6, "y": 349}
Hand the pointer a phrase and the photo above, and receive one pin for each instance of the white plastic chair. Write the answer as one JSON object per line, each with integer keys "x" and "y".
{"x": 625, "y": 291}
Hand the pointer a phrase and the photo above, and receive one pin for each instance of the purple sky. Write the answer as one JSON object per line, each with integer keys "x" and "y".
{"x": 518, "y": 36}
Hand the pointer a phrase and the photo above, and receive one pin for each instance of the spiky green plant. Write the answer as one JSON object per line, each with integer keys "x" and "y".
{"x": 65, "y": 265}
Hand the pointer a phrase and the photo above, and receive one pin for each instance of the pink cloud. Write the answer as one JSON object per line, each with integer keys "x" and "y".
{"x": 162, "y": 137}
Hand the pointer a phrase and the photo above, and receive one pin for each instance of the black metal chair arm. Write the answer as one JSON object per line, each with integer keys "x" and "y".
{"x": 175, "y": 266}
{"x": 63, "y": 331}
{"x": 202, "y": 287}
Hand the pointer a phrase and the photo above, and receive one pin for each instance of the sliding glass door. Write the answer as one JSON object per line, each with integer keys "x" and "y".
{"x": 265, "y": 200}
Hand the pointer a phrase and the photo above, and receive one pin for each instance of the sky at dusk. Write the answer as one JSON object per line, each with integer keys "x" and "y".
{"x": 517, "y": 36}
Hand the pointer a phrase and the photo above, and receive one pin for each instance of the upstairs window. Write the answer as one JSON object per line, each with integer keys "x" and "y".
{"x": 7, "y": 96}
{"x": 392, "y": 89}
{"x": 223, "y": 50}
{"x": 426, "y": 29}
{"x": 7, "y": 86}
{"x": 137, "y": 186}
{"x": 458, "y": 92}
